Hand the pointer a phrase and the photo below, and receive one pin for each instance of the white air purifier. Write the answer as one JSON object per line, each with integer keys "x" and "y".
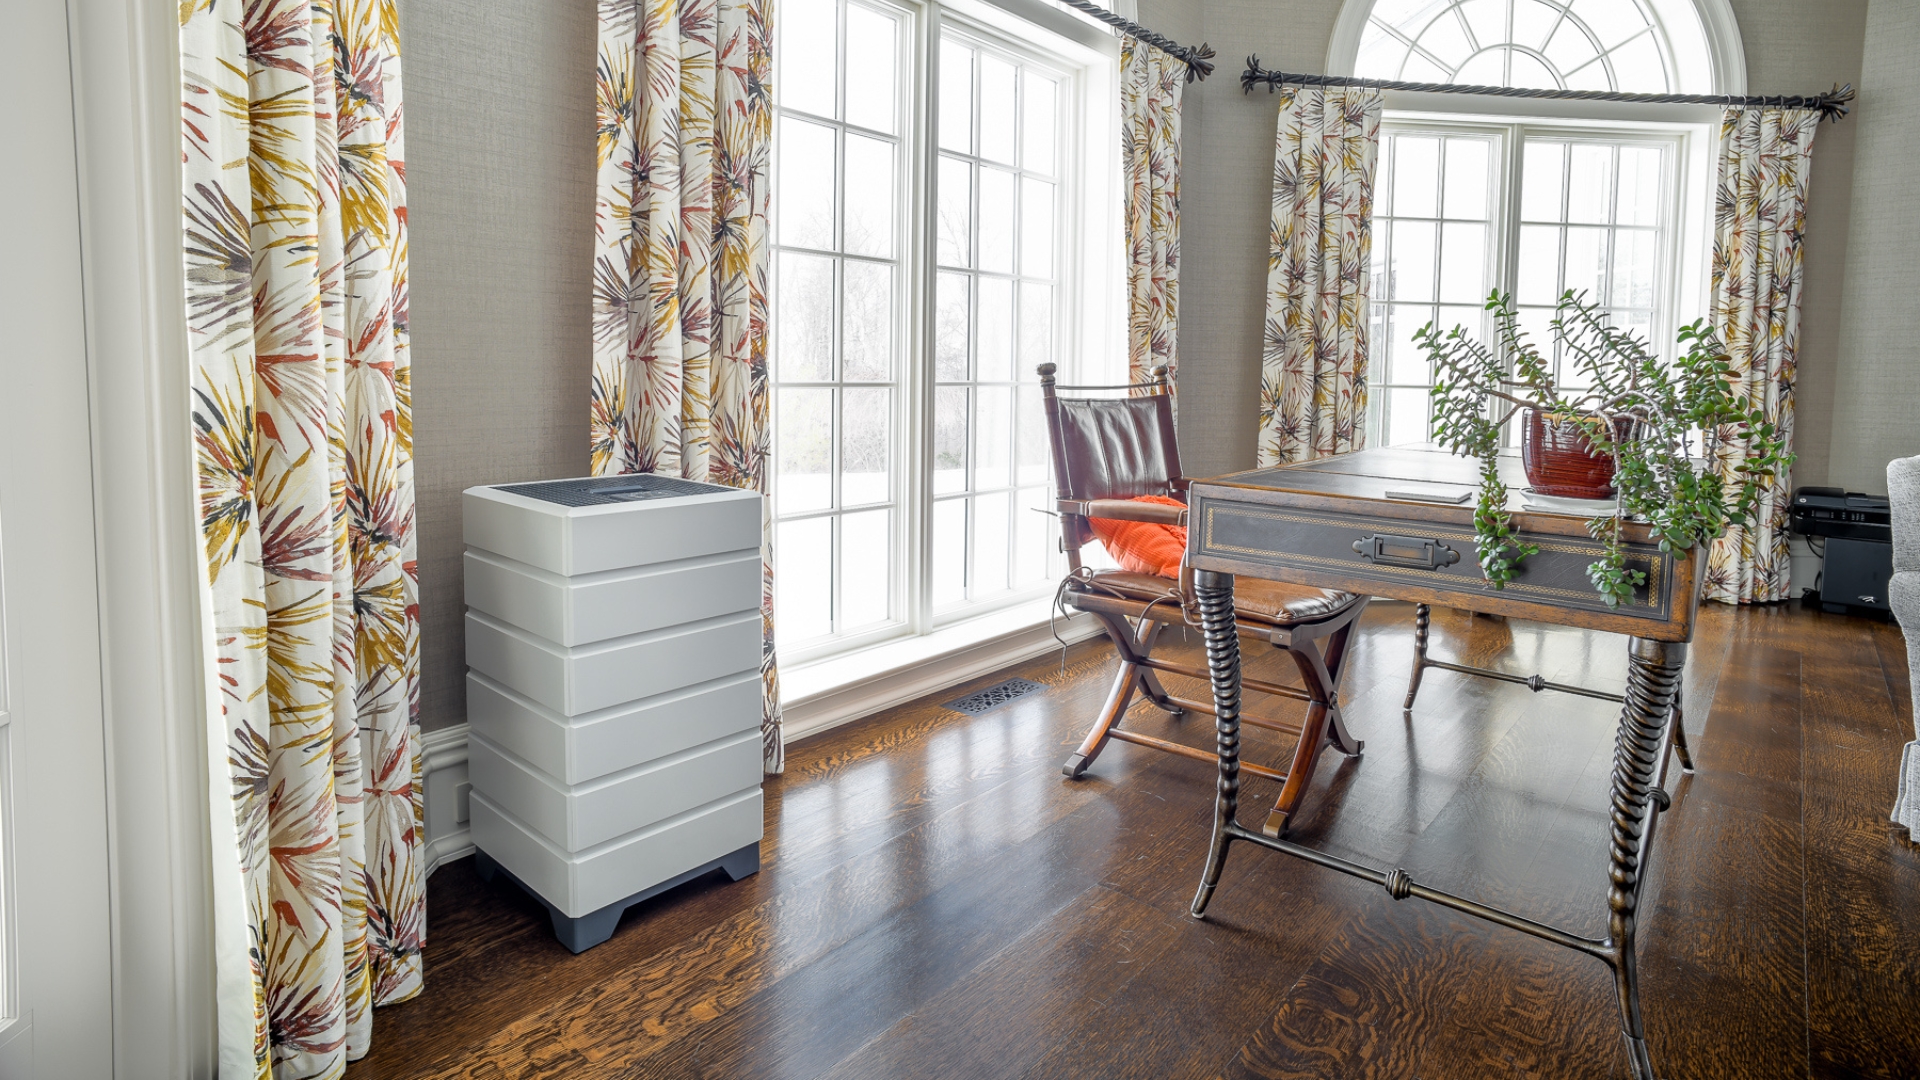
{"x": 613, "y": 689}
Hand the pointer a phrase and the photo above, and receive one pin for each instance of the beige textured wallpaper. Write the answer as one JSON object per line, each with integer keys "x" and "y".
{"x": 1876, "y": 406}
{"x": 1795, "y": 47}
{"x": 500, "y": 163}
{"x": 1226, "y": 189}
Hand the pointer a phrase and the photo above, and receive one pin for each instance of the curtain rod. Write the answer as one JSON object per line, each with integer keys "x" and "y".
{"x": 1831, "y": 105}
{"x": 1198, "y": 58}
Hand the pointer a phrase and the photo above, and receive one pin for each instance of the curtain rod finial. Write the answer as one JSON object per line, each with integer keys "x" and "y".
{"x": 1199, "y": 62}
{"x": 1837, "y": 103}
{"x": 1252, "y": 75}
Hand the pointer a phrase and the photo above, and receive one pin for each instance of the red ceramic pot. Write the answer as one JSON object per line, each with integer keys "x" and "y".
{"x": 1561, "y": 462}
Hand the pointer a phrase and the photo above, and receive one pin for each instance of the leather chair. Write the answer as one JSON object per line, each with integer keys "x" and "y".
{"x": 1109, "y": 450}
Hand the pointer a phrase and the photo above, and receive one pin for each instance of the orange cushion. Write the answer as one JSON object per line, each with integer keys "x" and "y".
{"x": 1144, "y": 547}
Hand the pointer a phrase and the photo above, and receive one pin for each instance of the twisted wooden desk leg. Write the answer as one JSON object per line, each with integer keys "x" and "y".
{"x": 1214, "y": 594}
{"x": 1653, "y": 678}
{"x": 1422, "y": 615}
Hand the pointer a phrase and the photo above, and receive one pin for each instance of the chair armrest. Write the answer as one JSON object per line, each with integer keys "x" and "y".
{"x": 1125, "y": 510}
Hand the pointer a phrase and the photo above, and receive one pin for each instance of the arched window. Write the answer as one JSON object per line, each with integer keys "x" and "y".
{"x": 1638, "y": 46}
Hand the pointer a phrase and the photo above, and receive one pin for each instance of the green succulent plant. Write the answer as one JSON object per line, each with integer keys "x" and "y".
{"x": 1644, "y": 412}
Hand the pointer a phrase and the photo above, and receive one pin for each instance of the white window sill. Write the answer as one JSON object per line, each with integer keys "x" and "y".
{"x": 824, "y": 694}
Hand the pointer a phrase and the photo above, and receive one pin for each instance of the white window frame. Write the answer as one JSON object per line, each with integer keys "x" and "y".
{"x": 1067, "y": 284}
{"x": 1686, "y": 204}
{"x": 905, "y": 256}
{"x": 1689, "y": 26}
{"x": 1087, "y": 305}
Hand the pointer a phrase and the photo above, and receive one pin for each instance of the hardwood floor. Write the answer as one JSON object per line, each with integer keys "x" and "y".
{"x": 938, "y": 901}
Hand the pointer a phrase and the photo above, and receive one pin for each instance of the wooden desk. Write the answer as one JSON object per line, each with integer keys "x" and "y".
{"x": 1330, "y": 523}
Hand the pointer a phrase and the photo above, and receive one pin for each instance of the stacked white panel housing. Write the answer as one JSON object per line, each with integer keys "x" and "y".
{"x": 613, "y": 689}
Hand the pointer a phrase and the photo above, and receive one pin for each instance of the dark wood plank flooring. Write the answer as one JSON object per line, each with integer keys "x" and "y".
{"x": 937, "y": 901}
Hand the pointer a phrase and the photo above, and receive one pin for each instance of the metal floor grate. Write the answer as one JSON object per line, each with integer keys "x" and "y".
{"x": 994, "y": 696}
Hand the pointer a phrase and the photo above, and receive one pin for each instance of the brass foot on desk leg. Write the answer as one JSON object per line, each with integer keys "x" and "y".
{"x": 1214, "y": 594}
{"x": 1276, "y": 825}
{"x": 1653, "y": 679}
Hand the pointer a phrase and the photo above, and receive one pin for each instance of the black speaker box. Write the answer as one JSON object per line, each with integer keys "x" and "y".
{"x": 1856, "y": 574}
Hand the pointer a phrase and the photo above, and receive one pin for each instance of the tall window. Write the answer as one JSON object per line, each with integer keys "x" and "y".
{"x": 922, "y": 240}
{"x": 1596, "y": 217}
{"x": 838, "y": 333}
{"x": 1434, "y": 240}
{"x": 1533, "y": 206}
{"x": 1000, "y": 257}
{"x": 1458, "y": 214}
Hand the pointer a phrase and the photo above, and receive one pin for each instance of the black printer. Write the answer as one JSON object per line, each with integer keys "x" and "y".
{"x": 1857, "y": 557}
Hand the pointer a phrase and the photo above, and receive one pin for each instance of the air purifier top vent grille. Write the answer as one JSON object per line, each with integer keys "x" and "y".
{"x": 605, "y": 490}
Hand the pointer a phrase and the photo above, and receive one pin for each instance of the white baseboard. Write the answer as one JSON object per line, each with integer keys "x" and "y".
{"x": 443, "y": 766}
{"x": 859, "y": 698}
{"x": 443, "y": 751}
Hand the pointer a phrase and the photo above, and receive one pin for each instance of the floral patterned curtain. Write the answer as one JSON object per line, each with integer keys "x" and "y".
{"x": 680, "y": 258}
{"x": 1759, "y": 221}
{"x": 296, "y": 266}
{"x": 1150, "y": 84}
{"x": 1313, "y": 378}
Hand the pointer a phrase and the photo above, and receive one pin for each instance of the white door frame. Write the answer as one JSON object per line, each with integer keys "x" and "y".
{"x": 55, "y": 941}
{"x": 126, "y": 80}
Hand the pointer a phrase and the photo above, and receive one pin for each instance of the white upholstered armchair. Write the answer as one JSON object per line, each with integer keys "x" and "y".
{"x": 1903, "y": 488}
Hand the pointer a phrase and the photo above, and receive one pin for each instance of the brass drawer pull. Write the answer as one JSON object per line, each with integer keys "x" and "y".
{"x": 1416, "y": 552}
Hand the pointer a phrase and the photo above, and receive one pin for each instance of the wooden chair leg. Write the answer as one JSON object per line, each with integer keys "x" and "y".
{"x": 1320, "y": 672}
{"x": 1422, "y": 615}
{"x": 1132, "y": 647}
{"x": 1145, "y": 636}
{"x": 1306, "y": 753}
{"x": 1337, "y": 734}
{"x": 1155, "y": 692}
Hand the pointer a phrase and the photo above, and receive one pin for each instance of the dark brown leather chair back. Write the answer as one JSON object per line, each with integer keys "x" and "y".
{"x": 1111, "y": 448}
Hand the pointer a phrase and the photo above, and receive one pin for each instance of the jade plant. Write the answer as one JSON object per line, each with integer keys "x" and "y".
{"x": 1643, "y": 411}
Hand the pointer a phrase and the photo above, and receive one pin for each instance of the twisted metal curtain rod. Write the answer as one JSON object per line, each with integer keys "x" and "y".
{"x": 1831, "y": 105}
{"x": 1198, "y": 58}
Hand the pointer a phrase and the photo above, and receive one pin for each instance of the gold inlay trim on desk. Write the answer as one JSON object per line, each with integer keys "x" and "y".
{"x": 1655, "y": 571}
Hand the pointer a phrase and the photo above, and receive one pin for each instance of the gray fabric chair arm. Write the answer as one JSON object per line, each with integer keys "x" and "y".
{"x": 1903, "y": 595}
{"x": 1903, "y": 491}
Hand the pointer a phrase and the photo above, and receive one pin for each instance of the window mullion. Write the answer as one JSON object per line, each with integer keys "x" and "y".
{"x": 1511, "y": 182}
{"x": 916, "y": 504}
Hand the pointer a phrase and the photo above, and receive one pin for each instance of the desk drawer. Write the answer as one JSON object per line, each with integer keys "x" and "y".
{"x": 1351, "y": 551}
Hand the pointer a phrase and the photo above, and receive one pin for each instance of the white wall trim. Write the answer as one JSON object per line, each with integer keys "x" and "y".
{"x": 861, "y": 698}
{"x": 1724, "y": 44}
{"x": 443, "y": 768}
{"x": 126, "y": 85}
{"x": 16, "y": 1046}
{"x": 1343, "y": 47}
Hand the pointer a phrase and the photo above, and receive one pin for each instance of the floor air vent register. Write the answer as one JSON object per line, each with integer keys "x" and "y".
{"x": 994, "y": 696}
{"x": 613, "y": 689}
